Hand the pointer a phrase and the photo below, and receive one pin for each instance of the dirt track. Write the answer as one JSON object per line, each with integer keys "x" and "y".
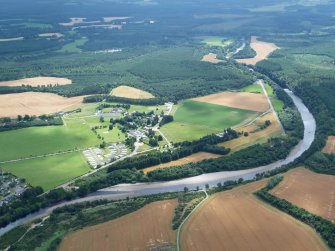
{"x": 311, "y": 191}
{"x": 242, "y": 100}
{"x": 236, "y": 220}
{"x": 38, "y": 81}
{"x": 263, "y": 50}
{"x": 141, "y": 230}
{"x": 34, "y": 103}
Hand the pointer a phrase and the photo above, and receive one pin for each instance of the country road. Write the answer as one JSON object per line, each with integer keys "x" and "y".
{"x": 130, "y": 190}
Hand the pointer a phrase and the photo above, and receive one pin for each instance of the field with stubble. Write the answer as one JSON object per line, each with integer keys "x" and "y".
{"x": 237, "y": 220}
{"x": 38, "y": 81}
{"x": 130, "y": 92}
{"x": 330, "y": 146}
{"x": 146, "y": 229}
{"x": 311, "y": 191}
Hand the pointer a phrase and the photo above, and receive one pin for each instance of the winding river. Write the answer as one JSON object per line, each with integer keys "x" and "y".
{"x": 130, "y": 190}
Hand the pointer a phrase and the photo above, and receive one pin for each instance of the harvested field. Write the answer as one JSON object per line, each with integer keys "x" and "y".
{"x": 34, "y": 103}
{"x": 37, "y": 81}
{"x": 197, "y": 157}
{"x": 107, "y": 26}
{"x": 237, "y": 220}
{"x": 144, "y": 229}
{"x": 309, "y": 190}
{"x": 330, "y": 147}
{"x": 263, "y": 50}
{"x": 11, "y": 39}
{"x": 130, "y": 92}
{"x": 255, "y": 137}
{"x": 78, "y": 20}
{"x": 56, "y": 34}
{"x": 111, "y": 19}
{"x": 242, "y": 100}
{"x": 211, "y": 58}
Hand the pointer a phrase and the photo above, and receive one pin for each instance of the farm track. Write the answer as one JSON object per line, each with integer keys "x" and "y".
{"x": 122, "y": 191}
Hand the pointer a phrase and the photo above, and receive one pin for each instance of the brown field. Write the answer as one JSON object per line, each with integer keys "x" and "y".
{"x": 37, "y": 81}
{"x": 130, "y": 92}
{"x": 11, "y": 39}
{"x": 242, "y": 100}
{"x": 144, "y": 229}
{"x": 111, "y": 19}
{"x": 263, "y": 50}
{"x": 34, "y": 103}
{"x": 237, "y": 220}
{"x": 330, "y": 146}
{"x": 194, "y": 158}
{"x": 211, "y": 58}
{"x": 56, "y": 34}
{"x": 257, "y": 137}
{"x": 311, "y": 191}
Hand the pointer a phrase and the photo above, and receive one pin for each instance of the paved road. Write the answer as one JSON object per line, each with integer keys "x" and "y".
{"x": 124, "y": 190}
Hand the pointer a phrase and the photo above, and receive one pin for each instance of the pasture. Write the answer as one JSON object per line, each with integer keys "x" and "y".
{"x": 149, "y": 228}
{"x": 311, "y": 191}
{"x": 49, "y": 172}
{"x": 263, "y": 50}
{"x": 34, "y": 103}
{"x": 43, "y": 140}
{"x": 216, "y": 41}
{"x": 130, "y": 92}
{"x": 37, "y": 81}
{"x": 194, "y": 158}
{"x": 241, "y": 100}
{"x": 236, "y": 220}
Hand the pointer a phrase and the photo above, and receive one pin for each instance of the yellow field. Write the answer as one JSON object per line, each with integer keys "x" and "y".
{"x": 146, "y": 229}
{"x": 237, "y": 220}
{"x": 263, "y": 50}
{"x": 211, "y": 58}
{"x": 130, "y": 92}
{"x": 34, "y": 103}
{"x": 242, "y": 100}
{"x": 194, "y": 158}
{"x": 311, "y": 191}
{"x": 37, "y": 81}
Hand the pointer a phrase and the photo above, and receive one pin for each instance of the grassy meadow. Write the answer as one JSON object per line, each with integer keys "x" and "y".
{"x": 49, "y": 172}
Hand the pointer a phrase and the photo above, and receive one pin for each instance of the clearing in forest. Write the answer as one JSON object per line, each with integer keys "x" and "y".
{"x": 309, "y": 190}
{"x": 237, "y": 220}
{"x": 330, "y": 146}
{"x": 37, "y": 81}
{"x": 211, "y": 58}
{"x": 194, "y": 158}
{"x": 34, "y": 103}
{"x": 130, "y": 92}
{"x": 242, "y": 100}
{"x": 263, "y": 50}
{"x": 149, "y": 228}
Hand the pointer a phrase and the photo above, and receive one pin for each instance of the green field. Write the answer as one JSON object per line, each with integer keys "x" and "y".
{"x": 51, "y": 171}
{"x": 194, "y": 119}
{"x": 216, "y": 41}
{"x": 252, "y": 88}
{"x": 73, "y": 47}
{"x": 43, "y": 140}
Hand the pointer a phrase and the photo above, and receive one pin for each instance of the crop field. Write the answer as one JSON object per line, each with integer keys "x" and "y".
{"x": 131, "y": 92}
{"x": 211, "y": 58}
{"x": 216, "y": 41}
{"x": 211, "y": 115}
{"x": 43, "y": 140}
{"x": 330, "y": 146}
{"x": 196, "y": 157}
{"x": 49, "y": 172}
{"x": 37, "y": 81}
{"x": 311, "y": 191}
{"x": 241, "y": 100}
{"x": 263, "y": 50}
{"x": 236, "y": 220}
{"x": 34, "y": 103}
{"x": 146, "y": 229}
{"x": 255, "y": 137}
